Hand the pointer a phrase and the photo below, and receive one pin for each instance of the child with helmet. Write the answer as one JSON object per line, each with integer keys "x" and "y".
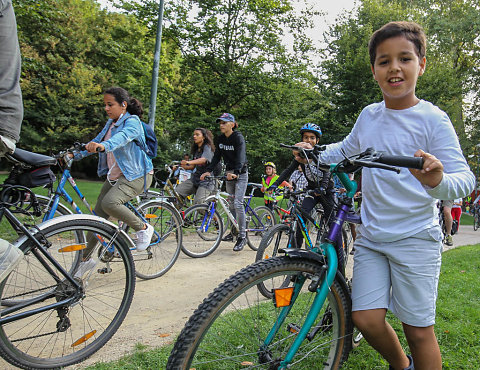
{"x": 319, "y": 181}
{"x": 269, "y": 178}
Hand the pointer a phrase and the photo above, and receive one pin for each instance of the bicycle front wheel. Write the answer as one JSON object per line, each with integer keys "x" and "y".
{"x": 232, "y": 328}
{"x": 203, "y": 231}
{"x": 164, "y": 248}
{"x": 92, "y": 313}
{"x": 258, "y": 223}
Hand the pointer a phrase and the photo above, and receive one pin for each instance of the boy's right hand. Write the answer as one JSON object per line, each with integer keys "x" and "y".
{"x": 432, "y": 173}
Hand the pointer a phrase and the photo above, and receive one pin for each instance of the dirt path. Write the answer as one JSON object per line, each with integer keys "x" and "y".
{"x": 161, "y": 306}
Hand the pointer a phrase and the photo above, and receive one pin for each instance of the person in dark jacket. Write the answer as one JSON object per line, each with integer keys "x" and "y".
{"x": 230, "y": 146}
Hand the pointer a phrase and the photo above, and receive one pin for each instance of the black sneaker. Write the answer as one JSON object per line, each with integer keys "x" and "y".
{"x": 239, "y": 244}
{"x": 411, "y": 366}
{"x": 228, "y": 238}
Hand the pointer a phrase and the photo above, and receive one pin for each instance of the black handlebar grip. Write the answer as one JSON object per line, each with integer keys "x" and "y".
{"x": 402, "y": 161}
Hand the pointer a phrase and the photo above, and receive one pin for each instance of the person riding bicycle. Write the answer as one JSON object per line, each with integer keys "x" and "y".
{"x": 128, "y": 169}
{"x": 398, "y": 249}
{"x": 318, "y": 181}
{"x": 202, "y": 152}
{"x": 270, "y": 176}
{"x": 230, "y": 146}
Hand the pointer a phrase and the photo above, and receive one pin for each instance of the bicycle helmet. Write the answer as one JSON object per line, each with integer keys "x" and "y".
{"x": 311, "y": 127}
{"x": 271, "y": 164}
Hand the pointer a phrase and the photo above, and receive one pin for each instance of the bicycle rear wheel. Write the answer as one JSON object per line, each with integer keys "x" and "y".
{"x": 229, "y": 329}
{"x": 163, "y": 251}
{"x": 203, "y": 231}
{"x": 258, "y": 223}
{"x": 70, "y": 333}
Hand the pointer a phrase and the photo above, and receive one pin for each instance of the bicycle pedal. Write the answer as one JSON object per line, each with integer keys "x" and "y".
{"x": 293, "y": 328}
{"x": 104, "y": 270}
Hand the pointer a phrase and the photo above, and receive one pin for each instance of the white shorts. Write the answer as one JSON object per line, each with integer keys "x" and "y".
{"x": 401, "y": 276}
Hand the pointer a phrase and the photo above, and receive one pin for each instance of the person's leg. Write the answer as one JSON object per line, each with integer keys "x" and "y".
{"x": 123, "y": 191}
{"x": 240, "y": 189}
{"x": 381, "y": 336}
{"x": 202, "y": 193}
{"x": 424, "y": 347}
{"x": 186, "y": 188}
{"x": 371, "y": 298}
{"x": 308, "y": 204}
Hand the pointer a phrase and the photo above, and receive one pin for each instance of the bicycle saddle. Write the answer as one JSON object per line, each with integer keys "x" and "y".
{"x": 33, "y": 159}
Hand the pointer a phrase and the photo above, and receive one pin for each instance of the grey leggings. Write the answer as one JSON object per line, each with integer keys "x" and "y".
{"x": 111, "y": 203}
{"x": 236, "y": 188}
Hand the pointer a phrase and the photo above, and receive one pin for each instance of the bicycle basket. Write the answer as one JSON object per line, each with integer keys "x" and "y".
{"x": 30, "y": 177}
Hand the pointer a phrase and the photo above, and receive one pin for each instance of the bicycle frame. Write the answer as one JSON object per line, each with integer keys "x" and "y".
{"x": 327, "y": 250}
{"x": 217, "y": 197}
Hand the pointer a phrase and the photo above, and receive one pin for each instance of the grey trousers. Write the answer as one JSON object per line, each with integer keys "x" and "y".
{"x": 111, "y": 203}
{"x": 236, "y": 188}
{"x": 11, "y": 105}
{"x": 201, "y": 192}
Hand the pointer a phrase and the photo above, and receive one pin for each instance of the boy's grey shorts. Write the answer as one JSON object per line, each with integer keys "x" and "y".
{"x": 401, "y": 276}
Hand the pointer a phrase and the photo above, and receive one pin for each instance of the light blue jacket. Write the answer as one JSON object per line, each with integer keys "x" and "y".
{"x": 130, "y": 157}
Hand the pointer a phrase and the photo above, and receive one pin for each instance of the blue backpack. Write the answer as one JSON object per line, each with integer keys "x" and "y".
{"x": 151, "y": 140}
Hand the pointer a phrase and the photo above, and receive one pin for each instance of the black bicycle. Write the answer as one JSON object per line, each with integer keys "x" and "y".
{"x": 49, "y": 318}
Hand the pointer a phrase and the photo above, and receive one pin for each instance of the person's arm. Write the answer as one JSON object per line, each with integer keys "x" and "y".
{"x": 240, "y": 154}
{"x": 285, "y": 174}
{"x": 131, "y": 130}
{"x": 11, "y": 104}
{"x": 217, "y": 156}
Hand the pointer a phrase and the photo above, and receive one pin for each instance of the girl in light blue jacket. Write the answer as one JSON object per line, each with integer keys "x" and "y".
{"x": 127, "y": 168}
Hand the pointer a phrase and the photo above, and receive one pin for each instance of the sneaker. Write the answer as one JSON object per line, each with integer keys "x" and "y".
{"x": 10, "y": 257}
{"x": 449, "y": 240}
{"x": 228, "y": 238}
{"x": 239, "y": 244}
{"x": 84, "y": 267}
{"x": 144, "y": 237}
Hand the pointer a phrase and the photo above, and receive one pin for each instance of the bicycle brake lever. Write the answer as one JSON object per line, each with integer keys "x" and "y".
{"x": 376, "y": 165}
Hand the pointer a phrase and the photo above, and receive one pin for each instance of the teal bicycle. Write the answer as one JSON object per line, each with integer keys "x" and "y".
{"x": 308, "y": 318}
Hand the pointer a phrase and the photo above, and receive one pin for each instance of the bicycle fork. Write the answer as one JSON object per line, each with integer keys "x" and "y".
{"x": 323, "y": 287}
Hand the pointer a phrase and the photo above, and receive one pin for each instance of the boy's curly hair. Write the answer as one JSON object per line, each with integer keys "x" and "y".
{"x": 410, "y": 30}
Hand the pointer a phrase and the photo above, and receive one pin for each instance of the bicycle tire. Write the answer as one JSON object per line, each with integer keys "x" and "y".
{"x": 61, "y": 337}
{"x": 69, "y": 261}
{"x": 275, "y": 239}
{"x": 164, "y": 249}
{"x": 261, "y": 219}
{"x": 476, "y": 221}
{"x": 197, "y": 243}
{"x": 228, "y": 329}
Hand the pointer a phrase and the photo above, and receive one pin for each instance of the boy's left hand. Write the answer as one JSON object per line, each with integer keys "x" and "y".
{"x": 432, "y": 172}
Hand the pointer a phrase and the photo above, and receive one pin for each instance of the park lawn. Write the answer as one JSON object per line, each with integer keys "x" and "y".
{"x": 457, "y": 327}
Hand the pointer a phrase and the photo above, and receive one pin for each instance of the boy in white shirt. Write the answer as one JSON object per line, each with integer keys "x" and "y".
{"x": 398, "y": 249}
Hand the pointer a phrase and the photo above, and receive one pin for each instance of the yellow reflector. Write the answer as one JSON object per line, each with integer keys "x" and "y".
{"x": 149, "y": 215}
{"x": 72, "y": 248}
{"x": 283, "y": 296}
{"x": 84, "y": 338}
{"x": 246, "y": 363}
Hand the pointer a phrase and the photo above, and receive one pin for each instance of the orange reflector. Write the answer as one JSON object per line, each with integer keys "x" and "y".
{"x": 283, "y": 296}
{"x": 72, "y": 248}
{"x": 84, "y": 338}
{"x": 149, "y": 215}
{"x": 266, "y": 257}
{"x": 246, "y": 363}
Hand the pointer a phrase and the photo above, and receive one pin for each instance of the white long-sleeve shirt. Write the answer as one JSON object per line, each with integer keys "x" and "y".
{"x": 396, "y": 206}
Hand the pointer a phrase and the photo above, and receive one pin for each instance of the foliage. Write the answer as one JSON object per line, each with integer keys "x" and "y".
{"x": 451, "y": 76}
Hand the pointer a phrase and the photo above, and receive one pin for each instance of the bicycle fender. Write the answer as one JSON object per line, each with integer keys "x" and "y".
{"x": 304, "y": 254}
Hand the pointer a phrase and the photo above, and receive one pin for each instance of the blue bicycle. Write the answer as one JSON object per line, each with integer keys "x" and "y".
{"x": 307, "y": 320}
{"x": 164, "y": 249}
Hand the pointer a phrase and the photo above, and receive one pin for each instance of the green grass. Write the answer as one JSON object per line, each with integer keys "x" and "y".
{"x": 457, "y": 327}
